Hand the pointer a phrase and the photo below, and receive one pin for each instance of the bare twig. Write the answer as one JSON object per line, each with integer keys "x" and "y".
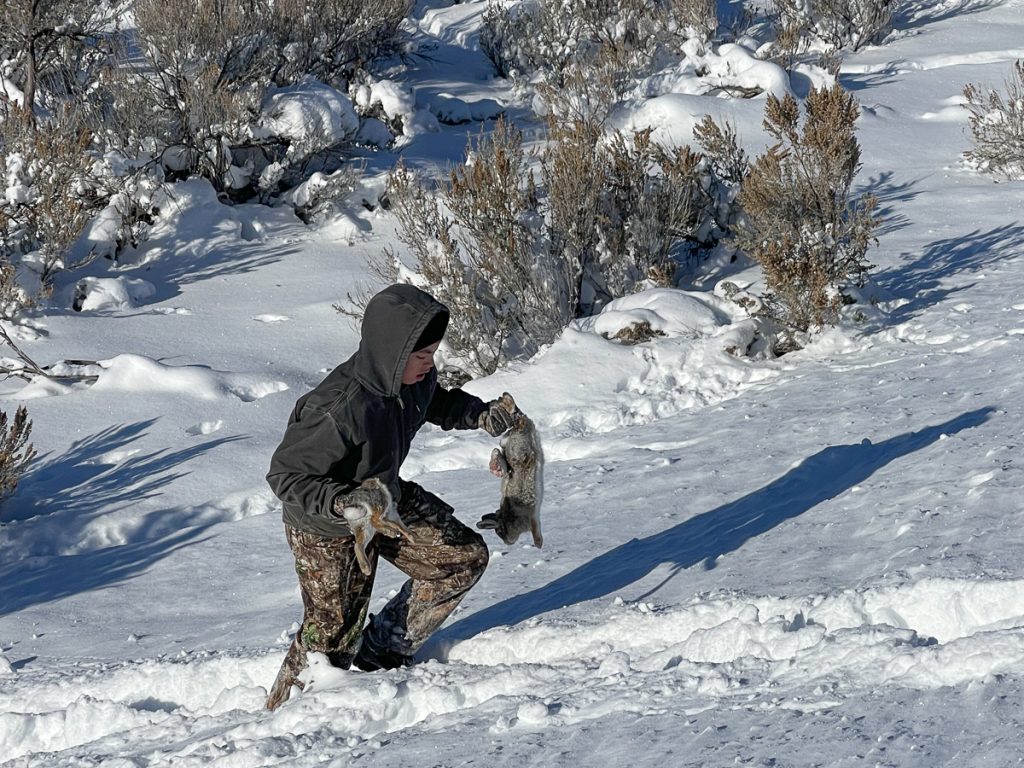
{"x": 32, "y": 368}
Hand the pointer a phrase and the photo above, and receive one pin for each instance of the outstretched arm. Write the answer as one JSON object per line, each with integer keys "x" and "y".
{"x": 455, "y": 409}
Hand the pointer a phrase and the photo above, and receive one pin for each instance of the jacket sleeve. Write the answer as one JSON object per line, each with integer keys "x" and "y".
{"x": 455, "y": 409}
{"x": 303, "y": 469}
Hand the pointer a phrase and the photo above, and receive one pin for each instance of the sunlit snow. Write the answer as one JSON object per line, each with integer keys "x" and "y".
{"x": 811, "y": 560}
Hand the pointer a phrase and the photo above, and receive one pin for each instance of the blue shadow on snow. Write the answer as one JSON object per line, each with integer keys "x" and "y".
{"x": 62, "y": 495}
{"x": 924, "y": 279}
{"x": 706, "y": 537}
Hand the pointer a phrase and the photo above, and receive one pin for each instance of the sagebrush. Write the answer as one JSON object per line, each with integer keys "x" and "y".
{"x": 55, "y": 51}
{"x": 801, "y": 221}
{"x": 207, "y": 79}
{"x": 518, "y": 245}
{"x": 839, "y": 24}
{"x": 15, "y": 451}
{"x": 102, "y": 112}
{"x": 479, "y": 245}
{"x": 52, "y": 192}
{"x": 548, "y": 38}
{"x": 997, "y": 126}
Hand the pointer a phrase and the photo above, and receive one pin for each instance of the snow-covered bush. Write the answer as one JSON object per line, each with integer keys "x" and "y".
{"x": 800, "y": 222}
{"x": 131, "y": 210}
{"x": 54, "y": 56}
{"x": 330, "y": 39}
{"x": 546, "y": 38}
{"x": 15, "y": 451}
{"x": 619, "y": 207}
{"x": 317, "y": 195}
{"x": 517, "y": 258}
{"x": 480, "y": 248}
{"x": 997, "y": 126}
{"x": 53, "y": 51}
{"x": 625, "y": 209}
{"x": 209, "y": 66}
{"x": 218, "y": 85}
{"x": 839, "y": 24}
{"x": 49, "y": 197}
{"x": 14, "y": 299}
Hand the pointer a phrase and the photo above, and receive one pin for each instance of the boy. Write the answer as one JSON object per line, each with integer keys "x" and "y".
{"x": 340, "y": 454}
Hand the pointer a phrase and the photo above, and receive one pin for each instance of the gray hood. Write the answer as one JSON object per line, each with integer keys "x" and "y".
{"x": 392, "y": 324}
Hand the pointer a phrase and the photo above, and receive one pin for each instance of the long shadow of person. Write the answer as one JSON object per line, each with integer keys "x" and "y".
{"x": 706, "y": 537}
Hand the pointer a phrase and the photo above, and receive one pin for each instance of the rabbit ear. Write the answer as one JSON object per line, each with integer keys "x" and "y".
{"x": 488, "y": 522}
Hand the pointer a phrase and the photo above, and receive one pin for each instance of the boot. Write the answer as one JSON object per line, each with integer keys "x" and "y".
{"x": 370, "y": 659}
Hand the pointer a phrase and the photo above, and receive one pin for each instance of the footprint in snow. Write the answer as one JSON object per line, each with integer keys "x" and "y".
{"x": 248, "y": 393}
{"x": 980, "y": 479}
{"x": 205, "y": 428}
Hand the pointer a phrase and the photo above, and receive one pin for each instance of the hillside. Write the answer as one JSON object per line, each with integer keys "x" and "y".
{"x": 808, "y": 560}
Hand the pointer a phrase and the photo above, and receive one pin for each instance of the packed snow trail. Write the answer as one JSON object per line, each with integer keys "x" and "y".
{"x": 810, "y": 654}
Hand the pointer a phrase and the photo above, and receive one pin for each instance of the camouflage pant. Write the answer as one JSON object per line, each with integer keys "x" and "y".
{"x": 445, "y": 561}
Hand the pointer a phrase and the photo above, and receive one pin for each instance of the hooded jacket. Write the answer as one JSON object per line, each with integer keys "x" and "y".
{"x": 359, "y": 422}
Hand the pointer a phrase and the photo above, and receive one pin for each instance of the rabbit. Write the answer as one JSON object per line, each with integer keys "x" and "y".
{"x": 519, "y": 462}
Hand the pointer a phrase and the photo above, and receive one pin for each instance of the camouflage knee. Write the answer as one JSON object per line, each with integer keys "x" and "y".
{"x": 335, "y": 594}
{"x": 477, "y": 556}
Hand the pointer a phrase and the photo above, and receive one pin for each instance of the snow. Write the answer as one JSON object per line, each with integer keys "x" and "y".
{"x": 811, "y": 560}
{"x": 397, "y": 101}
{"x": 98, "y": 293}
{"x": 735, "y": 66}
{"x": 309, "y": 114}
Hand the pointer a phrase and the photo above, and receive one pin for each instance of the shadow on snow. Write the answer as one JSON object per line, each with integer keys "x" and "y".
{"x": 921, "y": 280}
{"x": 706, "y": 537}
{"x": 920, "y": 13}
{"x": 55, "y": 504}
{"x": 889, "y": 192}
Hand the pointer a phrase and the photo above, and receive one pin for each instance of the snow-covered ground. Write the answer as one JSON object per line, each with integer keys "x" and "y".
{"x": 808, "y": 561}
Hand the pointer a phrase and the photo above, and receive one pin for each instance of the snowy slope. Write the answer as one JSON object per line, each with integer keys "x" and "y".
{"x": 806, "y": 561}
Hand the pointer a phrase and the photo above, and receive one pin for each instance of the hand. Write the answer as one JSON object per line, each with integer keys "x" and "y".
{"x": 501, "y": 415}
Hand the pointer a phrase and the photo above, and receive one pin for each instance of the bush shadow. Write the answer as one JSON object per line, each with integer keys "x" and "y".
{"x": 190, "y": 261}
{"x": 913, "y": 14}
{"x": 41, "y": 580}
{"x": 920, "y": 281}
{"x": 705, "y": 538}
{"x": 888, "y": 193}
{"x": 865, "y": 81}
{"x": 62, "y": 496}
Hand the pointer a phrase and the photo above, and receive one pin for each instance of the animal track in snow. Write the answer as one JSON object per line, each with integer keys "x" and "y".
{"x": 205, "y": 427}
{"x": 271, "y": 319}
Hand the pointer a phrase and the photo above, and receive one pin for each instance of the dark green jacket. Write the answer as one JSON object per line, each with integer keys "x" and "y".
{"x": 359, "y": 422}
